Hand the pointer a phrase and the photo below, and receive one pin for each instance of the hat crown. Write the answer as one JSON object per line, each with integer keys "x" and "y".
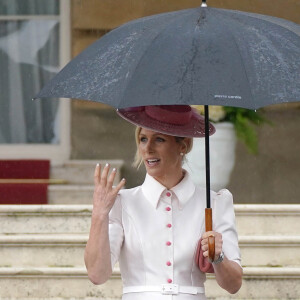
{"x": 171, "y": 114}
{"x": 176, "y": 120}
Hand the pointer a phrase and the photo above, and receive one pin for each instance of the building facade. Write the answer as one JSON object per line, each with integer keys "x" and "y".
{"x": 56, "y": 31}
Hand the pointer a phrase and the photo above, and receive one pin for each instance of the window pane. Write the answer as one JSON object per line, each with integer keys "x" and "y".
{"x": 29, "y": 57}
{"x": 29, "y": 7}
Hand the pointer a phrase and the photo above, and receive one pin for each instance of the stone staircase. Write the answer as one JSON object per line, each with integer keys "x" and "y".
{"x": 41, "y": 250}
{"x": 79, "y": 181}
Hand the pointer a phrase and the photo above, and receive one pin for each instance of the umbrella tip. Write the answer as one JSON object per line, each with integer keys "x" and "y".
{"x": 203, "y": 3}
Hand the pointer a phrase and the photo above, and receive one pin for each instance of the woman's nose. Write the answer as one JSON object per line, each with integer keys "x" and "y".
{"x": 149, "y": 146}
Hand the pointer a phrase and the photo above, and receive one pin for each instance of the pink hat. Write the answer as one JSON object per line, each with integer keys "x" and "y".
{"x": 176, "y": 120}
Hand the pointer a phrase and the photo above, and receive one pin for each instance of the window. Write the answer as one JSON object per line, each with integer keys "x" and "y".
{"x": 34, "y": 45}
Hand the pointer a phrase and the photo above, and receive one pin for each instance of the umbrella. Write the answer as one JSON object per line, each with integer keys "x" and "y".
{"x": 205, "y": 56}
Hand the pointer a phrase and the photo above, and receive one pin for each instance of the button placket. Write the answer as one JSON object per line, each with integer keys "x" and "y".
{"x": 169, "y": 242}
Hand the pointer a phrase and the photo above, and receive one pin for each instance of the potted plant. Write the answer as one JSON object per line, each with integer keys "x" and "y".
{"x": 242, "y": 120}
{"x": 230, "y": 123}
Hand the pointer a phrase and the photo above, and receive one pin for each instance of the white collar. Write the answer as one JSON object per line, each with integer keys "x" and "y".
{"x": 184, "y": 190}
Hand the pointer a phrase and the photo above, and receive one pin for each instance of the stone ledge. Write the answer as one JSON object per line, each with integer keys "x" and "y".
{"x": 43, "y": 239}
{"x": 269, "y": 240}
{"x": 49, "y": 239}
{"x": 267, "y": 209}
{"x": 58, "y": 209}
{"x": 280, "y": 209}
{"x": 73, "y": 283}
{"x": 89, "y": 162}
{"x": 249, "y": 272}
{"x": 72, "y": 298}
{"x": 70, "y": 187}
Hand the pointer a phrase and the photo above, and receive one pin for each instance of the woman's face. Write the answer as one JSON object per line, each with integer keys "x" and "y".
{"x": 160, "y": 153}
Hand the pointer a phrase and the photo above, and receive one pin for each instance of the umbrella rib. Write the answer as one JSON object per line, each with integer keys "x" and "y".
{"x": 188, "y": 66}
{"x": 250, "y": 88}
{"x": 281, "y": 23}
{"x": 241, "y": 58}
{"x": 175, "y": 20}
{"x": 267, "y": 42}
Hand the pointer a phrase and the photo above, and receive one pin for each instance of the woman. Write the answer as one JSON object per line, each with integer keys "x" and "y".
{"x": 153, "y": 229}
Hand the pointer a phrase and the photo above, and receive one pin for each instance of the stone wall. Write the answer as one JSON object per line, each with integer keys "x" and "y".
{"x": 98, "y": 133}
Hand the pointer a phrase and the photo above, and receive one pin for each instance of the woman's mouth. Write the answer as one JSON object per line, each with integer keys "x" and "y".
{"x": 152, "y": 162}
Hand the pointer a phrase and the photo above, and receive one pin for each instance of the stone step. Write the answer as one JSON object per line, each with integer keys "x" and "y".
{"x": 70, "y": 194}
{"x": 72, "y": 283}
{"x": 34, "y": 250}
{"x": 268, "y": 219}
{"x": 250, "y": 219}
{"x": 82, "y": 171}
{"x": 18, "y": 219}
{"x": 56, "y": 250}
{"x": 270, "y": 251}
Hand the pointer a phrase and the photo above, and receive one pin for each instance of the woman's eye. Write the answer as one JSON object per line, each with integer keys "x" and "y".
{"x": 159, "y": 139}
{"x": 143, "y": 139}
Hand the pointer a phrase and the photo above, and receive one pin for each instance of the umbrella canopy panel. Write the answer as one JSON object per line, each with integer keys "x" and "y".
{"x": 196, "y": 56}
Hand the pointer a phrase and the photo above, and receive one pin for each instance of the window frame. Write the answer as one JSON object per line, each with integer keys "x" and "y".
{"x": 57, "y": 153}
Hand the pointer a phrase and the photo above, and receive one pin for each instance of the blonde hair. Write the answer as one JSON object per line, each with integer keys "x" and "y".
{"x": 186, "y": 141}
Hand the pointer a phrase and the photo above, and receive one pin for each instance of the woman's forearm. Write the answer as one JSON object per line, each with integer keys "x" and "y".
{"x": 97, "y": 252}
{"x": 229, "y": 275}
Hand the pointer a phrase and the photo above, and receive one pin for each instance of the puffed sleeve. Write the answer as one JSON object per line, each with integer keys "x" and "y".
{"x": 116, "y": 233}
{"x": 224, "y": 223}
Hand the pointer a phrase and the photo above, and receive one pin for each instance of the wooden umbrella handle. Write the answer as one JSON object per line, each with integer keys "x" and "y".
{"x": 211, "y": 239}
{"x": 211, "y": 248}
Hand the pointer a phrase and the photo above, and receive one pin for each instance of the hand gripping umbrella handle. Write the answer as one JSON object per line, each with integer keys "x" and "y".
{"x": 211, "y": 239}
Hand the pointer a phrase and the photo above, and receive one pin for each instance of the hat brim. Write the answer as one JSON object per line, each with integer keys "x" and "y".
{"x": 194, "y": 128}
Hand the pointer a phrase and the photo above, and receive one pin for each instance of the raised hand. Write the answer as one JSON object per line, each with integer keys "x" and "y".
{"x": 104, "y": 193}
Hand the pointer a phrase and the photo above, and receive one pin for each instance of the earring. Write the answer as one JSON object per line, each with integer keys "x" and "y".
{"x": 181, "y": 153}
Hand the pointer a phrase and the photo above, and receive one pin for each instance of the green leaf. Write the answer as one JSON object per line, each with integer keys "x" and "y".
{"x": 246, "y": 133}
{"x": 243, "y": 120}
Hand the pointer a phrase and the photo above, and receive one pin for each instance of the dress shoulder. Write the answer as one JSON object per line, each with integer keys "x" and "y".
{"x": 222, "y": 206}
{"x": 223, "y": 195}
{"x": 127, "y": 193}
{"x": 128, "y": 196}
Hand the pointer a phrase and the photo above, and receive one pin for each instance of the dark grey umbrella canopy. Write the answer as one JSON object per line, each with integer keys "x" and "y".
{"x": 196, "y": 56}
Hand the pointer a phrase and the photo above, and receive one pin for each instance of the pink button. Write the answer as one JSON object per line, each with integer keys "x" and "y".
{"x": 168, "y": 208}
{"x": 169, "y": 225}
{"x": 170, "y": 280}
{"x": 168, "y": 263}
{"x": 168, "y": 194}
{"x": 168, "y": 243}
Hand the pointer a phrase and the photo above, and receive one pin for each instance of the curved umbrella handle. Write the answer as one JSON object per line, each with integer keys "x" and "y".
{"x": 211, "y": 238}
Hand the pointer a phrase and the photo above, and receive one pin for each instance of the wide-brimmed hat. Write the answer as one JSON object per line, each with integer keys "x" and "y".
{"x": 176, "y": 120}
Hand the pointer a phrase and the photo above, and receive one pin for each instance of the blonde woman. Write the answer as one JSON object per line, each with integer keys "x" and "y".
{"x": 153, "y": 229}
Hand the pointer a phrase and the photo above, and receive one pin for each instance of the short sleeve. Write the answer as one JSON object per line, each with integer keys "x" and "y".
{"x": 116, "y": 233}
{"x": 224, "y": 223}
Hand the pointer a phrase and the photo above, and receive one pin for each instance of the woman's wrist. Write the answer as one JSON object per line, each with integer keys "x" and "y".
{"x": 100, "y": 216}
{"x": 219, "y": 259}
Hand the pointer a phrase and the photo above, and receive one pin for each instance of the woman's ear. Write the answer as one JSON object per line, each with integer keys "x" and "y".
{"x": 184, "y": 146}
{"x": 188, "y": 142}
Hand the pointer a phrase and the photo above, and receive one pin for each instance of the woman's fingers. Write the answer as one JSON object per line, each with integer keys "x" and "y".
{"x": 218, "y": 243}
{"x": 207, "y": 234}
{"x": 204, "y": 247}
{"x": 97, "y": 174}
{"x": 103, "y": 179}
{"x": 104, "y": 193}
{"x": 111, "y": 177}
{"x": 120, "y": 185}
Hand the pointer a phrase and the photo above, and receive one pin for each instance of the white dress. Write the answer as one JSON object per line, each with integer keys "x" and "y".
{"x": 154, "y": 232}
